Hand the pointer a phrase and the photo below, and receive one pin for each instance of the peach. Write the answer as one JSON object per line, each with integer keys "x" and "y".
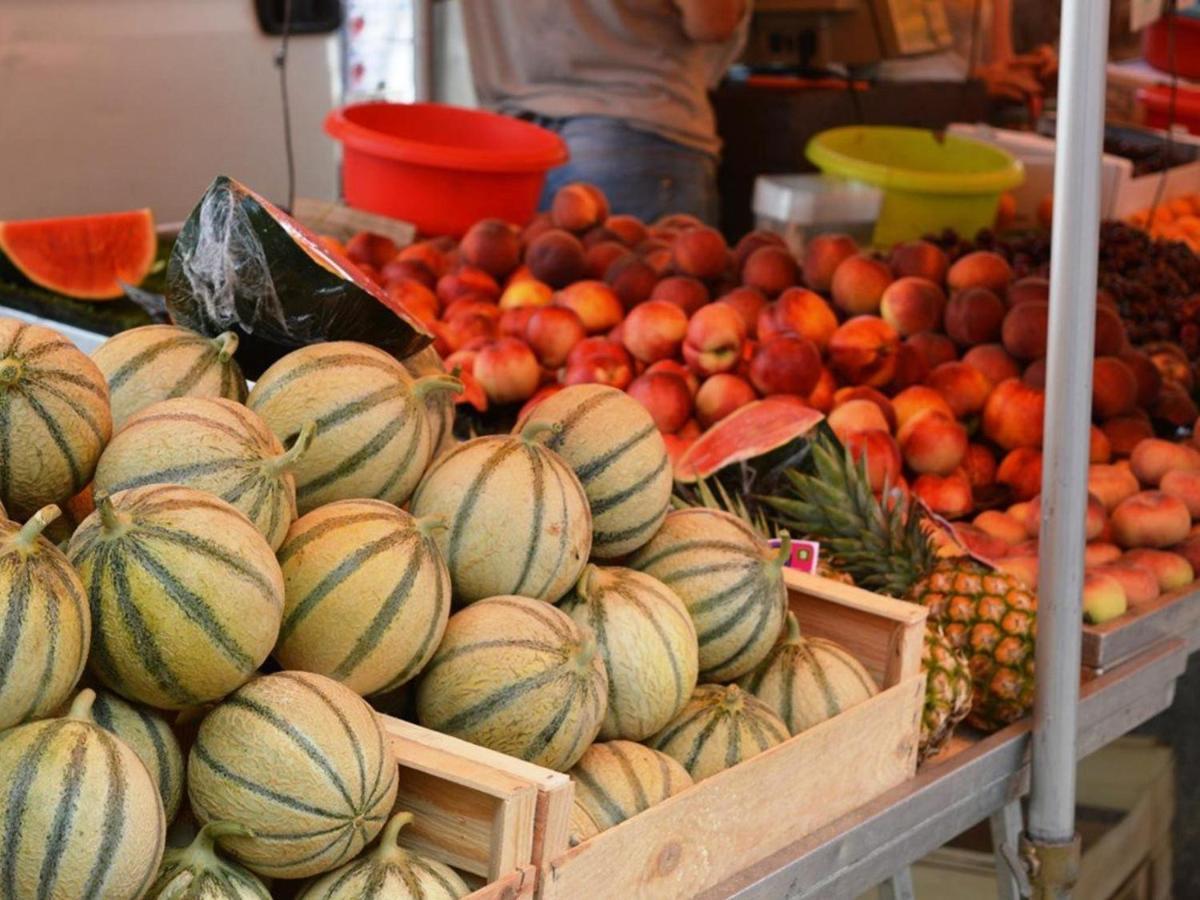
{"x": 599, "y": 234}
{"x": 1026, "y": 290}
{"x": 1174, "y": 406}
{"x": 594, "y": 302}
{"x": 513, "y": 321}
{"x": 979, "y": 543}
{"x": 1153, "y": 458}
{"x": 1099, "y": 447}
{"x": 1172, "y": 364}
{"x": 665, "y": 396}
{"x": 964, "y": 388}
{"x": 630, "y": 230}
{"x": 1111, "y": 484}
{"x": 1125, "y": 433}
{"x": 801, "y": 312}
{"x": 631, "y": 279}
{"x": 714, "y": 338}
{"x": 919, "y": 259}
{"x": 1035, "y": 374}
{"x": 856, "y": 415}
{"x": 471, "y": 304}
{"x": 980, "y": 466}
{"x": 1022, "y": 568}
{"x": 1139, "y": 583}
{"x": 414, "y": 297}
{"x": 863, "y": 351}
{"x": 859, "y": 283}
{"x": 1021, "y": 471}
{"x": 933, "y": 443}
{"x": 982, "y": 268}
{"x": 1189, "y": 549}
{"x": 578, "y": 206}
{"x": 467, "y": 281}
{"x": 369, "y": 249}
{"x": 822, "y": 255}
{"x": 1028, "y": 514}
{"x": 1002, "y": 526}
{"x": 700, "y": 252}
{"x": 1150, "y": 519}
{"x": 748, "y": 303}
{"x": 912, "y": 305}
{"x": 785, "y": 365}
{"x": 428, "y": 255}
{"x": 399, "y": 269}
{"x": 1110, "y": 332}
{"x": 526, "y": 292}
{"x": 974, "y": 316}
{"x": 556, "y": 257}
{"x": 936, "y": 348}
{"x": 687, "y": 293}
{"x": 1099, "y": 553}
{"x": 882, "y": 456}
{"x": 654, "y": 330}
{"x": 1024, "y": 330}
{"x": 844, "y": 395}
{"x": 552, "y": 332}
{"x": 820, "y": 397}
{"x": 1114, "y": 388}
{"x": 1096, "y": 520}
{"x": 492, "y": 245}
{"x": 507, "y": 370}
{"x": 751, "y": 241}
{"x": 691, "y": 430}
{"x": 539, "y": 224}
{"x": 917, "y": 399}
{"x": 911, "y": 368}
{"x": 675, "y": 367}
{"x": 720, "y": 395}
{"x": 677, "y": 221}
{"x": 1170, "y": 569}
{"x": 457, "y": 333}
{"x": 1103, "y": 598}
{"x": 993, "y": 361}
{"x": 771, "y": 270}
{"x": 948, "y": 495}
{"x": 1013, "y": 415}
{"x": 1149, "y": 379}
{"x": 1185, "y": 485}
{"x": 598, "y": 360}
{"x": 599, "y": 257}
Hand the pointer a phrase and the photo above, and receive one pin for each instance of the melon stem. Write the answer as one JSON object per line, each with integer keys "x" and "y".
{"x": 227, "y": 344}
{"x": 793, "y": 630}
{"x": 427, "y": 525}
{"x": 534, "y": 430}
{"x": 33, "y": 529}
{"x": 586, "y": 651}
{"x": 81, "y": 706}
{"x": 10, "y": 371}
{"x": 732, "y": 696}
{"x": 422, "y": 387}
{"x": 785, "y": 550}
{"x": 586, "y": 583}
{"x": 389, "y": 843}
{"x": 203, "y": 847}
{"x": 110, "y": 519}
{"x": 287, "y": 460}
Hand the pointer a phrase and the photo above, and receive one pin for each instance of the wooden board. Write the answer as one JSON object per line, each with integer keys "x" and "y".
{"x": 520, "y": 884}
{"x": 1172, "y": 615}
{"x": 343, "y": 222}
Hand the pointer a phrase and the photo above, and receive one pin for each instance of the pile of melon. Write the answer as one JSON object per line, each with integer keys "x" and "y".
{"x": 200, "y": 584}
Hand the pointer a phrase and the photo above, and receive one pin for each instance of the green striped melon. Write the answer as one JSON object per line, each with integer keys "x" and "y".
{"x": 518, "y": 519}
{"x": 719, "y": 727}
{"x": 45, "y": 624}
{"x": 613, "y": 445}
{"x": 148, "y": 734}
{"x": 374, "y": 438}
{"x": 582, "y": 826}
{"x": 213, "y": 445}
{"x": 367, "y": 595}
{"x": 54, "y": 418}
{"x": 440, "y": 406}
{"x": 389, "y": 872}
{"x": 731, "y": 581}
{"x": 518, "y": 676}
{"x": 808, "y": 680}
{"x": 647, "y": 641}
{"x": 79, "y": 813}
{"x": 157, "y": 362}
{"x": 199, "y": 872}
{"x": 186, "y": 595}
{"x": 303, "y": 763}
{"x": 619, "y": 779}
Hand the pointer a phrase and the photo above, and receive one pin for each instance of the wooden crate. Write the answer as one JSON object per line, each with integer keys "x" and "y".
{"x": 703, "y": 835}
{"x": 1172, "y": 615}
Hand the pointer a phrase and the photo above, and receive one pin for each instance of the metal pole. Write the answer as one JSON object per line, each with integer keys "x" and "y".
{"x": 423, "y": 50}
{"x": 1052, "y": 844}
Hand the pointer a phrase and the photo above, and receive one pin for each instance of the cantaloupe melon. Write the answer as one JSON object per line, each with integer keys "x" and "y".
{"x": 79, "y": 813}
{"x": 731, "y": 581}
{"x": 613, "y": 445}
{"x": 582, "y": 826}
{"x": 518, "y": 519}
{"x": 619, "y": 779}
{"x": 199, "y": 872}
{"x": 518, "y": 676}
{"x": 374, "y": 438}
{"x": 647, "y": 641}
{"x": 719, "y": 727}
{"x": 157, "y": 362}
{"x": 440, "y": 405}
{"x": 389, "y": 871}
{"x": 303, "y": 763}
{"x": 808, "y": 680}
{"x": 148, "y": 734}
{"x": 367, "y": 594}
{"x": 54, "y": 418}
{"x": 186, "y": 595}
{"x": 45, "y": 623}
{"x": 212, "y": 445}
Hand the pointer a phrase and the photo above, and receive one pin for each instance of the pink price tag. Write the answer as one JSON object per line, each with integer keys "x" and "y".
{"x": 804, "y": 555}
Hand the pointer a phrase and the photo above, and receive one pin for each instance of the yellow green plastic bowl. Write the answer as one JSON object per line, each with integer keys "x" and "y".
{"x": 930, "y": 180}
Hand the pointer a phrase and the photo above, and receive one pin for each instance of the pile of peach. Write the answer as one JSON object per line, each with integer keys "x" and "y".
{"x": 1176, "y": 220}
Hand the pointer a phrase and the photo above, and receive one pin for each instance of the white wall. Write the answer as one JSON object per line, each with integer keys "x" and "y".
{"x": 117, "y": 104}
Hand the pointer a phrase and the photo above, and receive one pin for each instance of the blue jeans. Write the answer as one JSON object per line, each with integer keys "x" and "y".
{"x": 642, "y": 174}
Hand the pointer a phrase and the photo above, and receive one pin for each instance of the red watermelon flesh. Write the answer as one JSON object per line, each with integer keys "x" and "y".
{"x": 86, "y": 257}
{"x": 749, "y": 432}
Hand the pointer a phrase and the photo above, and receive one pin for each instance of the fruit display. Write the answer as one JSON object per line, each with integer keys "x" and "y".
{"x": 199, "y": 870}
{"x": 619, "y": 779}
{"x": 1175, "y": 220}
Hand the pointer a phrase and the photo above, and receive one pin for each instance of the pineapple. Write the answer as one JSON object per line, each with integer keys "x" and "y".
{"x": 988, "y": 617}
{"x": 948, "y": 690}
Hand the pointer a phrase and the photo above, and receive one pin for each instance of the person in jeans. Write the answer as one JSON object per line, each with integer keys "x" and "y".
{"x": 624, "y": 82}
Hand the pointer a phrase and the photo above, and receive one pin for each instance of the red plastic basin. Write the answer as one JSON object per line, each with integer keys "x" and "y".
{"x": 442, "y": 167}
{"x": 1156, "y": 101}
{"x": 1156, "y": 45}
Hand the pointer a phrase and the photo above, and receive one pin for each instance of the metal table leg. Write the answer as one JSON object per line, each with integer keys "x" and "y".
{"x": 1011, "y": 881}
{"x": 898, "y": 887}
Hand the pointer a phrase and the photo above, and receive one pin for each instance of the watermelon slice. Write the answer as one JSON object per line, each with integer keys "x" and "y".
{"x": 747, "y": 433}
{"x": 85, "y": 257}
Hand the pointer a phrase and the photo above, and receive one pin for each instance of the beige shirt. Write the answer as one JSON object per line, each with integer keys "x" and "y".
{"x": 625, "y": 59}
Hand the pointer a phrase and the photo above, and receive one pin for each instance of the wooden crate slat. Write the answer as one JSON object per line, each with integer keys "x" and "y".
{"x": 1174, "y": 614}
